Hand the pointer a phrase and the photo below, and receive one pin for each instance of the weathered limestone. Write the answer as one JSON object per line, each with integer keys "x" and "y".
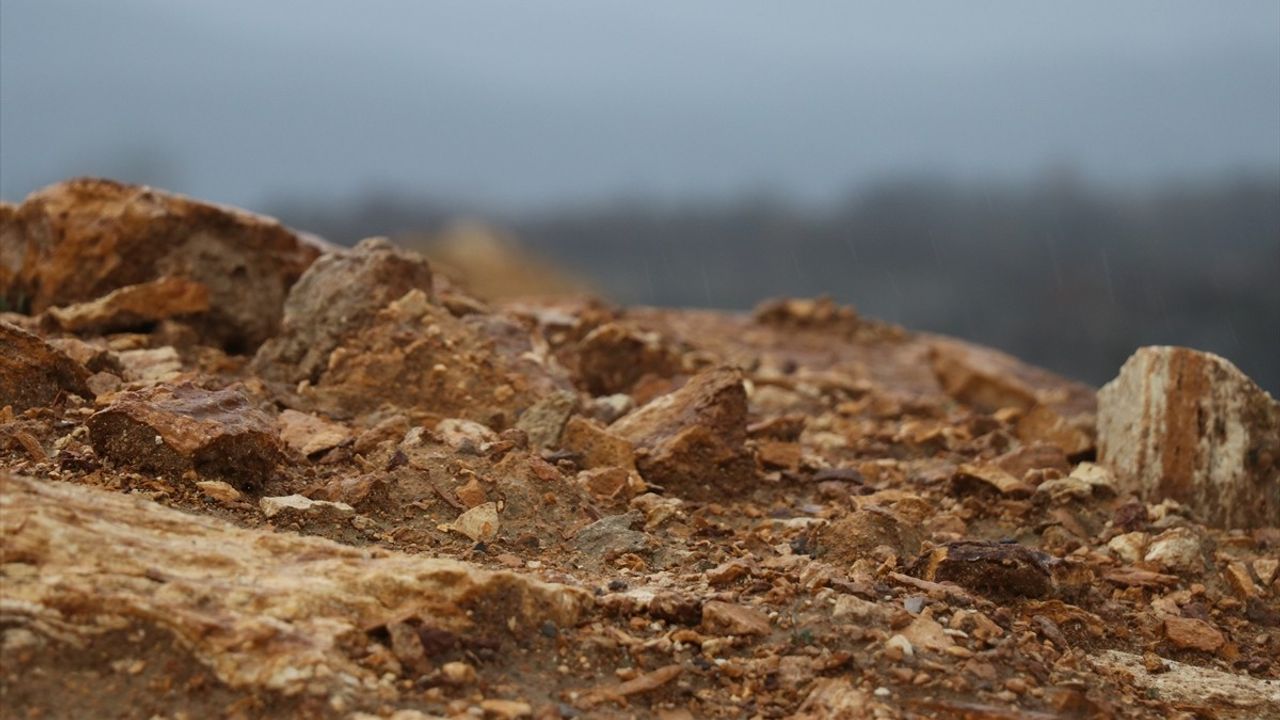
{"x": 1189, "y": 426}
{"x": 261, "y": 609}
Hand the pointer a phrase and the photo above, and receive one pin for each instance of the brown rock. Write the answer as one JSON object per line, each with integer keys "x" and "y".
{"x": 171, "y": 430}
{"x": 722, "y": 618}
{"x": 1004, "y": 570}
{"x": 595, "y": 446}
{"x": 134, "y": 306}
{"x": 1042, "y": 424}
{"x": 296, "y": 600}
{"x": 1036, "y": 456}
{"x": 861, "y": 532}
{"x": 544, "y": 420}
{"x": 614, "y": 356}
{"x": 307, "y": 434}
{"x": 1189, "y": 426}
{"x": 692, "y": 440}
{"x": 415, "y": 354}
{"x": 1055, "y": 410}
{"x": 33, "y": 373}
{"x": 1192, "y": 634}
{"x": 82, "y": 239}
{"x": 338, "y": 295}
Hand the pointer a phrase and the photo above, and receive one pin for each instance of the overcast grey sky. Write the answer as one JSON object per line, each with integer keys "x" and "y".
{"x": 529, "y": 103}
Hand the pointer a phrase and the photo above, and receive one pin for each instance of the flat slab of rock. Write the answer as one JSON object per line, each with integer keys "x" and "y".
{"x": 308, "y": 434}
{"x": 691, "y": 441}
{"x": 297, "y": 508}
{"x": 171, "y": 430}
{"x": 79, "y": 240}
{"x": 1189, "y": 426}
{"x": 261, "y": 609}
{"x": 33, "y": 373}
{"x": 134, "y": 306}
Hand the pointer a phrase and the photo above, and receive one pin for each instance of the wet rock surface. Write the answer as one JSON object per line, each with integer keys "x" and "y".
{"x": 408, "y": 502}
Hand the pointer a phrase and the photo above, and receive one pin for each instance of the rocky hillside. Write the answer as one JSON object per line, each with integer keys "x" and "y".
{"x": 244, "y": 474}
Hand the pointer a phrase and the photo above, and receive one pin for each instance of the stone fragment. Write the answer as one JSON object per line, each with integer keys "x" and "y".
{"x": 171, "y": 430}
{"x": 149, "y": 366}
{"x": 472, "y": 493}
{"x": 264, "y": 611}
{"x": 82, "y": 239}
{"x": 610, "y": 483}
{"x": 308, "y": 434}
{"x": 594, "y": 446}
{"x": 861, "y": 532}
{"x": 614, "y": 356}
{"x": 1074, "y": 436}
{"x": 691, "y": 441}
{"x": 480, "y": 523}
{"x": 1002, "y": 570}
{"x": 33, "y": 373}
{"x": 1193, "y": 634}
{"x": 458, "y": 673}
{"x": 1036, "y": 456}
{"x": 647, "y": 682}
{"x": 970, "y": 474}
{"x": 218, "y": 490}
{"x": 1178, "y": 550}
{"x": 506, "y": 709}
{"x": 925, "y": 632}
{"x": 898, "y": 647}
{"x": 414, "y": 354}
{"x": 545, "y": 419}
{"x": 1189, "y": 426}
{"x": 1129, "y": 547}
{"x": 1239, "y": 580}
{"x": 1086, "y": 482}
{"x": 1266, "y": 568}
{"x": 340, "y": 293}
{"x": 464, "y": 435}
{"x": 134, "y": 306}
{"x": 722, "y": 618}
{"x": 298, "y": 508}
{"x": 611, "y": 535}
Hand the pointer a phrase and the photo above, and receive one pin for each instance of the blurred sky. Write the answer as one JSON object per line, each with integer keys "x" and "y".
{"x": 524, "y": 104}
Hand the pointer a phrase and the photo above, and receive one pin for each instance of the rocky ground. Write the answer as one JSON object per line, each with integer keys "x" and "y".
{"x": 245, "y": 474}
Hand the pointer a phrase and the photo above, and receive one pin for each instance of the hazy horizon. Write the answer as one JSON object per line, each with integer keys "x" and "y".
{"x": 518, "y": 107}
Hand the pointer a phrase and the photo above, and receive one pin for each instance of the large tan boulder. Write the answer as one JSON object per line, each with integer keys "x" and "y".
{"x": 1189, "y": 426}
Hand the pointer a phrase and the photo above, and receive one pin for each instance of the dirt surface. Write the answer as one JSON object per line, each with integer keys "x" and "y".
{"x": 413, "y": 502}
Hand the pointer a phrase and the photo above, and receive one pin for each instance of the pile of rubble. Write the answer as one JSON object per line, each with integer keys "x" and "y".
{"x": 245, "y": 474}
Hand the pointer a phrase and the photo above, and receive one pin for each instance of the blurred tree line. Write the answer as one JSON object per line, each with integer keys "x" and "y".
{"x": 1066, "y": 274}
